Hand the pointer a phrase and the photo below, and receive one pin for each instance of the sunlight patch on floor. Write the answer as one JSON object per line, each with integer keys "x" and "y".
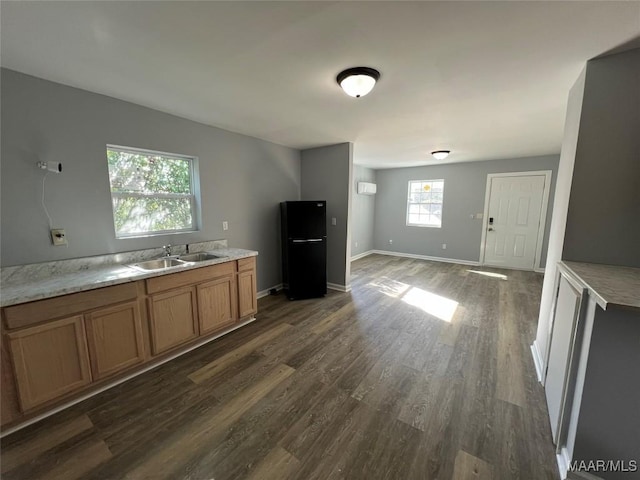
{"x": 389, "y": 287}
{"x": 489, "y": 274}
{"x": 441, "y": 307}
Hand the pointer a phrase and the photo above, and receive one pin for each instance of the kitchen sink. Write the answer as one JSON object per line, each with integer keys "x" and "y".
{"x": 200, "y": 257}
{"x": 158, "y": 264}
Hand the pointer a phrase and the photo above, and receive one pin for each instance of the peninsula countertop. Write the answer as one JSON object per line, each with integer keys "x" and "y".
{"x": 610, "y": 285}
{"x": 21, "y": 288}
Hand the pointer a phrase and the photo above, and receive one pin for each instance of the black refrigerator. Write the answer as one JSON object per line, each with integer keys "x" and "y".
{"x": 304, "y": 248}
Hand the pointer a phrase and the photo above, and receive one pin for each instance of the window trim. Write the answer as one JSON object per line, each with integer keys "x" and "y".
{"x": 409, "y": 203}
{"x": 193, "y": 197}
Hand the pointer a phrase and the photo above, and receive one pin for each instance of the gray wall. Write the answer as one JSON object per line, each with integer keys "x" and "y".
{"x": 464, "y": 194}
{"x": 609, "y": 422}
{"x": 363, "y": 212}
{"x": 603, "y": 222}
{"x": 242, "y": 179}
{"x": 326, "y": 174}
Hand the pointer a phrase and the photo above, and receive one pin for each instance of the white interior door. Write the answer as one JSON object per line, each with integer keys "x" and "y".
{"x": 513, "y": 220}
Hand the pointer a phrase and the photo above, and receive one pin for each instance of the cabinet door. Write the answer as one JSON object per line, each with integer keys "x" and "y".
{"x": 9, "y": 408}
{"x": 173, "y": 317}
{"x": 216, "y": 304}
{"x": 558, "y": 381}
{"x": 247, "y": 295}
{"x": 49, "y": 360}
{"x": 114, "y": 337}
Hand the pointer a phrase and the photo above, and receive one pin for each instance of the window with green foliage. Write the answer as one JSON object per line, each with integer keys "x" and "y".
{"x": 152, "y": 192}
{"x": 424, "y": 204}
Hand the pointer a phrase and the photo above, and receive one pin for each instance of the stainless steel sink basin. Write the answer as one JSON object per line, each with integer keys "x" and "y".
{"x": 158, "y": 264}
{"x": 200, "y": 257}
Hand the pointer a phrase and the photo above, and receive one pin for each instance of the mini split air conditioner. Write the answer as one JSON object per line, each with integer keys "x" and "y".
{"x": 365, "y": 188}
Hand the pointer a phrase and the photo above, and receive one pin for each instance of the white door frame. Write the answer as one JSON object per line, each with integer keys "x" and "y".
{"x": 543, "y": 212}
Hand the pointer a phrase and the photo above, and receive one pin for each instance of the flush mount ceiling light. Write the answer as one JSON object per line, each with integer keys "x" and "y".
{"x": 358, "y": 81}
{"x": 440, "y": 154}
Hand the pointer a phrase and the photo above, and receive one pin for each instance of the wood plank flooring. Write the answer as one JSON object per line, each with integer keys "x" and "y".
{"x": 422, "y": 372}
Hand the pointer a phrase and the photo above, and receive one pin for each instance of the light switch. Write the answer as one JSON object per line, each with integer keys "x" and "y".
{"x": 225, "y": 225}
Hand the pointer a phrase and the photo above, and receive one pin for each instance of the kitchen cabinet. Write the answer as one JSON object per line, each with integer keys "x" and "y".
{"x": 9, "y": 408}
{"x": 30, "y": 313}
{"x": 173, "y": 318}
{"x": 567, "y": 323}
{"x": 591, "y": 382}
{"x": 247, "y": 291}
{"x": 185, "y": 305}
{"x": 217, "y": 304}
{"x": 115, "y": 339}
{"x": 49, "y": 360}
{"x": 57, "y": 348}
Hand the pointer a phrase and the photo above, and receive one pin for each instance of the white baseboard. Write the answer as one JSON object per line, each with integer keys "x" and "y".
{"x": 267, "y": 291}
{"x": 537, "y": 360}
{"x": 563, "y": 463}
{"x": 332, "y": 286}
{"x": 426, "y": 257}
{"x": 340, "y": 288}
{"x": 435, "y": 259}
{"x": 362, "y": 255}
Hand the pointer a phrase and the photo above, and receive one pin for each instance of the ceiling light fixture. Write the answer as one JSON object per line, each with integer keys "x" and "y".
{"x": 358, "y": 81}
{"x": 440, "y": 154}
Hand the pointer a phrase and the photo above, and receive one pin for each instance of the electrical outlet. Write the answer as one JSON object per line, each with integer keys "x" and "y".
{"x": 390, "y": 241}
{"x": 334, "y": 221}
{"x": 225, "y": 225}
{"x": 58, "y": 236}
{"x": 444, "y": 246}
{"x": 356, "y": 244}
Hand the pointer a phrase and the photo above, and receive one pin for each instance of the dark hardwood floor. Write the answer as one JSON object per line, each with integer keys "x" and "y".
{"x": 423, "y": 371}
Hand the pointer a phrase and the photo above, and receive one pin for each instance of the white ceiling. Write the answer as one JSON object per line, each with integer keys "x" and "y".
{"x": 486, "y": 80}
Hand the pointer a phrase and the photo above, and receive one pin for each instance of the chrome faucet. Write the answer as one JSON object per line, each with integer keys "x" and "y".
{"x": 167, "y": 250}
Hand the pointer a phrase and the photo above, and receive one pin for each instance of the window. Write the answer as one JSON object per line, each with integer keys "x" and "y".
{"x": 424, "y": 205}
{"x": 152, "y": 193}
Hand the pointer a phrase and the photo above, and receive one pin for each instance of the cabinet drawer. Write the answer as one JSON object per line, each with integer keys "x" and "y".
{"x": 25, "y": 314}
{"x": 246, "y": 264}
{"x": 190, "y": 277}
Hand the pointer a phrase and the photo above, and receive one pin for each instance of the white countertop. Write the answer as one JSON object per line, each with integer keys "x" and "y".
{"x": 608, "y": 284}
{"x": 23, "y": 290}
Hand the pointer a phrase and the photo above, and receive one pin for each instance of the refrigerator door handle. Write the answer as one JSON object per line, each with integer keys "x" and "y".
{"x": 308, "y": 240}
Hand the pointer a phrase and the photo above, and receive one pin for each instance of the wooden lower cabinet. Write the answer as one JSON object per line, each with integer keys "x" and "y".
{"x": 115, "y": 339}
{"x": 217, "y": 304}
{"x": 53, "y": 349}
{"x": 49, "y": 360}
{"x": 9, "y": 407}
{"x": 173, "y": 318}
{"x": 247, "y": 295}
